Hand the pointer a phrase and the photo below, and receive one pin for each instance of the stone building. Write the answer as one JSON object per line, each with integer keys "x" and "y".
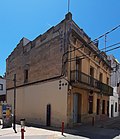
{"x": 60, "y": 76}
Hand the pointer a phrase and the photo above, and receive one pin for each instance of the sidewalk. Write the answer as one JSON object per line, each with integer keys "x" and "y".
{"x": 35, "y": 133}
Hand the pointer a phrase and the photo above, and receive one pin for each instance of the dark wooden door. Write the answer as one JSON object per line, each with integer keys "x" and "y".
{"x": 48, "y": 115}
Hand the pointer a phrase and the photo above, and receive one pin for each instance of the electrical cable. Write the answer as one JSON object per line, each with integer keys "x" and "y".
{"x": 112, "y": 49}
{"x": 110, "y": 46}
{"x": 107, "y": 32}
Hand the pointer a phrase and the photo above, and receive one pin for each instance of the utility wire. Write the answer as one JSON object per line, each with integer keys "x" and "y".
{"x": 112, "y": 49}
{"x": 85, "y": 55}
{"x": 93, "y": 40}
{"x": 110, "y": 46}
{"x": 107, "y": 32}
{"x": 97, "y": 40}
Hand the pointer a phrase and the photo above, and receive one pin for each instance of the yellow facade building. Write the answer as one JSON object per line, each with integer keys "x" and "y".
{"x": 61, "y": 76}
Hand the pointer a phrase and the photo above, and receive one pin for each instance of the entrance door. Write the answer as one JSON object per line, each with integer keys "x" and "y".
{"x": 48, "y": 115}
{"x": 98, "y": 106}
{"x": 75, "y": 108}
{"x": 107, "y": 108}
{"x": 112, "y": 110}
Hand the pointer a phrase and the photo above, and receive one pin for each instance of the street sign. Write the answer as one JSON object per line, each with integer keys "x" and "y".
{"x": 6, "y": 115}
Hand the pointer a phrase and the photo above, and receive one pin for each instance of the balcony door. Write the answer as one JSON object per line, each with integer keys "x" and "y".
{"x": 91, "y": 76}
{"x": 78, "y": 68}
{"x": 101, "y": 77}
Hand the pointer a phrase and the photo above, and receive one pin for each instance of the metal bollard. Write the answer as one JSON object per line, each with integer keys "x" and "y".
{"x": 22, "y": 121}
{"x": 22, "y": 133}
{"x": 62, "y": 128}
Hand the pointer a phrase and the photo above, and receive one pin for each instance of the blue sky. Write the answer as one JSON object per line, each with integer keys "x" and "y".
{"x": 30, "y": 18}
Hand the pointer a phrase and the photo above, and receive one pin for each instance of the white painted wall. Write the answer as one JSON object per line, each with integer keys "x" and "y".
{"x": 113, "y": 99}
{"x": 115, "y": 74}
{"x": 3, "y": 81}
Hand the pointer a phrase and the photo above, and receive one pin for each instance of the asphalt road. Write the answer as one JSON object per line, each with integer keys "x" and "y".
{"x": 95, "y": 133}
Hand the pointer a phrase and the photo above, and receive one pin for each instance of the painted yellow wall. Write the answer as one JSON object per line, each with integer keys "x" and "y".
{"x": 31, "y": 102}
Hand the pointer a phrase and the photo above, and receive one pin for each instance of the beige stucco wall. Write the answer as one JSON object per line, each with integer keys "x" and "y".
{"x": 31, "y": 102}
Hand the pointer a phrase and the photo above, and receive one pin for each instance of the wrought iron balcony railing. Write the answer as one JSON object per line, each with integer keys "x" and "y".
{"x": 80, "y": 77}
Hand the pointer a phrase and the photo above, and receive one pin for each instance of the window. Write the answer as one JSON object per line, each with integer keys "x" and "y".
{"x": 26, "y": 76}
{"x": 1, "y": 86}
{"x": 74, "y": 40}
{"x": 107, "y": 81}
{"x": 115, "y": 106}
{"x": 78, "y": 68}
{"x": 92, "y": 71}
{"x": 92, "y": 76}
{"x": 101, "y": 77}
{"x": 90, "y": 104}
{"x": 78, "y": 64}
{"x": 103, "y": 107}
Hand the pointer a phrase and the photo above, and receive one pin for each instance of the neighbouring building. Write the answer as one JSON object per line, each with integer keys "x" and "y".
{"x": 114, "y": 107}
{"x": 2, "y": 90}
{"x": 60, "y": 76}
{"x": 115, "y": 83}
{"x": 115, "y": 74}
{"x": 2, "y": 93}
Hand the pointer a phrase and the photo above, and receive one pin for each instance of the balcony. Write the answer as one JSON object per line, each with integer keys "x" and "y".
{"x": 80, "y": 77}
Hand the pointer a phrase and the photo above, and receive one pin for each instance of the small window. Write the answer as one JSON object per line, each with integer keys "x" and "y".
{"x": 115, "y": 106}
{"x": 26, "y": 76}
{"x": 1, "y": 86}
